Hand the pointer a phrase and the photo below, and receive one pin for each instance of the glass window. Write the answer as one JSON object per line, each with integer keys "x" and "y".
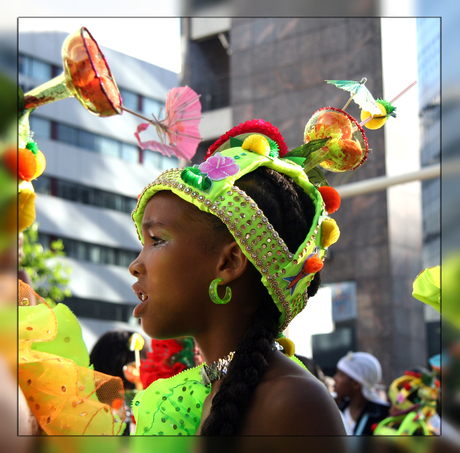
{"x": 129, "y": 204}
{"x": 24, "y": 65}
{"x": 97, "y": 197}
{"x": 130, "y": 153}
{"x": 109, "y": 147}
{"x": 94, "y": 253}
{"x": 151, "y": 159}
{"x": 169, "y": 162}
{"x": 43, "y": 185}
{"x": 150, "y": 106}
{"x": 130, "y": 99}
{"x": 107, "y": 255}
{"x": 87, "y": 140}
{"x": 41, "y": 71}
{"x": 109, "y": 200}
{"x": 67, "y": 134}
{"x": 81, "y": 251}
{"x": 40, "y": 127}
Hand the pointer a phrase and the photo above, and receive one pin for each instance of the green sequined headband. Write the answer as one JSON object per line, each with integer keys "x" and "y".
{"x": 211, "y": 187}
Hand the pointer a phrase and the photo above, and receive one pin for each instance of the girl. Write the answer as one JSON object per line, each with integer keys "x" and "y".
{"x": 231, "y": 251}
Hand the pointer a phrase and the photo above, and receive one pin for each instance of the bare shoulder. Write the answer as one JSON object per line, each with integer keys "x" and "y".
{"x": 291, "y": 401}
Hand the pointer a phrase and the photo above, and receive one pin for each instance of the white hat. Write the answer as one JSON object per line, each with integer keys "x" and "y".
{"x": 365, "y": 369}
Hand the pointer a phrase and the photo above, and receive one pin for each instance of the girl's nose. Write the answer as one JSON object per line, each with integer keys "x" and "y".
{"x": 136, "y": 267}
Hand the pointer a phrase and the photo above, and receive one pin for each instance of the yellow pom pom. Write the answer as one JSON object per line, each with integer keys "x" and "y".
{"x": 26, "y": 205}
{"x": 41, "y": 164}
{"x": 257, "y": 143}
{"x": 330, "y": 233}
{"x": 377, "y": 122}
{"x": 288, "y": 346}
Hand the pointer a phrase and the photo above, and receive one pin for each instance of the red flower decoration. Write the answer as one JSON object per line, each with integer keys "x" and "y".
{"x": 256, "y": 126}
{"x": 331, "y": 197}
{"x": 158, "y": 364}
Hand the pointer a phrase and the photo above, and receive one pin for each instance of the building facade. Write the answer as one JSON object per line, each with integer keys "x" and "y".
{"x": 95, "y": 171}
{"x": 274, "y": 68}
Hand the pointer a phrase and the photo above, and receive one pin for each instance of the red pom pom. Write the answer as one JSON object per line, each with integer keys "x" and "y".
{"x": 331, "y": 197}
{"x": 256, "y": 126}
{"x": 407, "y": 386}
{"x": 313, "y": 265}
{"x": 373, "y": 426}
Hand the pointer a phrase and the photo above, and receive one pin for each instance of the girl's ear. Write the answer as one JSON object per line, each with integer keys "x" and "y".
{"x": 232, "y": 263}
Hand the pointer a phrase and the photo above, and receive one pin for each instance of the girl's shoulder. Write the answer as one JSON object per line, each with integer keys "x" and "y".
{"x": 289, "y": 400}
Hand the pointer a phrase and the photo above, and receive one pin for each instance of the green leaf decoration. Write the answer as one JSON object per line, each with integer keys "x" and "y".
{"x": 388, "y": 107}
{"x": 297, "y": 160}
{"x": 317, "y": 178}
{"x": 193, "y": 177}
{"x": 235, "y": 143}
{"x": 308, "y": 148}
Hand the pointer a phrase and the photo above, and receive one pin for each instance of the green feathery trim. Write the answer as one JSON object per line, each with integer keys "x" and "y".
{"x": 274, "y": 148}
{"x": 388, "y": 107}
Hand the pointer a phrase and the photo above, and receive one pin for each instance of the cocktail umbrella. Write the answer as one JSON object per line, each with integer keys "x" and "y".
{"x": 358, "y": 93}
{"x": 179, "y": 127}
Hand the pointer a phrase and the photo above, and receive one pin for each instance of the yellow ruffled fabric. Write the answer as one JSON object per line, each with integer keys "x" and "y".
{"x": 64, "y": 394}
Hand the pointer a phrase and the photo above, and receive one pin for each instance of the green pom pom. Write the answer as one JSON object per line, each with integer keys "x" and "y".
{"x": 32, "y": 146}
{"x": 193, "y": 177}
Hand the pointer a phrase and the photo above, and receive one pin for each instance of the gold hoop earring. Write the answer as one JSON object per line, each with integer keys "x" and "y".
{"x": 215, "y": 296}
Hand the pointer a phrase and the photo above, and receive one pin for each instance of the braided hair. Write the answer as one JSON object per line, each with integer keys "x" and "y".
{"x": 291, "y": 212}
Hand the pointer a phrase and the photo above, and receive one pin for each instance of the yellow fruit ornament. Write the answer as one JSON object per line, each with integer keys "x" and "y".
{"x": 330, "y": 232}
{"x": 257, "y": 143}
{"x": 378, "y": 120}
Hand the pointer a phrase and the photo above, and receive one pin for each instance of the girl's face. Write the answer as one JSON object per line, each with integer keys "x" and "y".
{"x": 174, "y": 269}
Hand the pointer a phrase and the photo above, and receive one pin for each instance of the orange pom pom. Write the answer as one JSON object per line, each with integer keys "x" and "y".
{"x": 331, "y": 198}
{"x": 313, "y": 265}
{"x": 27, "y": 164}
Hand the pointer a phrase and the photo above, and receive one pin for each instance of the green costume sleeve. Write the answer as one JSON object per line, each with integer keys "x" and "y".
{"x": 171, "y": 406}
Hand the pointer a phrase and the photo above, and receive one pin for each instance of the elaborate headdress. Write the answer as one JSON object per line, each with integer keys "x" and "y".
{"x": 212, "y": 187}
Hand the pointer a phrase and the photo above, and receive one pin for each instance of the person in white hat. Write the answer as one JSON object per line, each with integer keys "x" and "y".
{"x": 356, "y": 379}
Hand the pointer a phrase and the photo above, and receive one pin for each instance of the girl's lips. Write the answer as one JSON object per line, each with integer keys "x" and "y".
{"x": 143, "y": 297}
{"x": 137, "y": 312}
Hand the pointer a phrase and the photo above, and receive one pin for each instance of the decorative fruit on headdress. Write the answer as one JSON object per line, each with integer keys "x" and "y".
{"x": 378, "y": 121}
{"x": 29, "y": 161}
{"x": 346, "y": 147}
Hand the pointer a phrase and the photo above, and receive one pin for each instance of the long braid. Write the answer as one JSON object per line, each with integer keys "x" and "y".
{"x": 244, "y": 373}
{"x": 291, "y": 213}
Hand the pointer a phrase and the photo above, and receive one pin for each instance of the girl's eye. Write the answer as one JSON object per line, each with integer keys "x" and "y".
{"x": 155, "y": 240}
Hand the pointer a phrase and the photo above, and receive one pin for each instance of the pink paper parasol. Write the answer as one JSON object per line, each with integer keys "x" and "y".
{"x": 179, "y": 127}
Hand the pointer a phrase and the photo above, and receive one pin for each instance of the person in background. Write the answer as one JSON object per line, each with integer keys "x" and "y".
{"x": 357, "y": 376}
{"x": 110, "y": 354}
